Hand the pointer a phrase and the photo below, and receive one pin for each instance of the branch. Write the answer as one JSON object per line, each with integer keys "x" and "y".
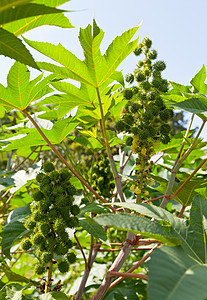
{"x": 64, "y": 161}
{"x": 123, "y": 275}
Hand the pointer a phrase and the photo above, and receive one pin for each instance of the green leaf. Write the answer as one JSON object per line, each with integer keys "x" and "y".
{"x": 20, "y": 92}
{"x": 13, "y": 47}
{"x": 93, "y": 207}
{"x": 137, "y": 225}
{"x": 178, "y": 277}
{"x": 18, "y": 12}
{"x": 12, "y": 276}
{"x": 96, "y": 70}
{"x": 93, "y": 228}
{"x": 21, "y": 26}
{"x": 193, "y": 105}
{"x": 13, "y": 229}
{"x": 198, "y": 81}
{"x": 181, "y": 275}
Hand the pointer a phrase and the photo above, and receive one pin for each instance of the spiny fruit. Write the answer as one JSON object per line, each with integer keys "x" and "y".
{"x": 52, "y": 210}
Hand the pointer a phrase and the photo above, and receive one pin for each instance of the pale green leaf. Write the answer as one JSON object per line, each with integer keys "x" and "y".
{"x": 20, "y": 92}
{"x": 178, "y": 277}
{"x": 13, "y": 47}
{"x": 93, "y": 228}
{"x": 193, "y": 105}
{"x": 140, "y": 225}
{"x": 24, "y": 11}
{"x": 198, "y": 81}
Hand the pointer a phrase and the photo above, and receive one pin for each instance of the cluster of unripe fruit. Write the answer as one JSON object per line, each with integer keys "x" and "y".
{"x": 52, "y": 211}
{"x": 102, "y": 177}
{"x": 145, "y": 115}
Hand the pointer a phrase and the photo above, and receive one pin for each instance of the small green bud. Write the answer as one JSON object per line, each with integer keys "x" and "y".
{"x": 29, "y": 223}
{"x": 39, "y": 177}
{"x": 37, "y": 238}
{"x": 152, "y": 54}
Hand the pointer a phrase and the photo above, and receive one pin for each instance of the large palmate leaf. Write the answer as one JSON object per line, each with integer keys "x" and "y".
{"x": 59, "y": 132}
{"x": 96, "y": 69}
{"x": 20, "y": 91}
{"x": 21, "y": 26}
{"x": 19, "y": 16}
{"x": 182, "y": 273}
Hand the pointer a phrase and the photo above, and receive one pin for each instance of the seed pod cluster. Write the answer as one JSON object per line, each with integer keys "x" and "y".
{"x": 52, "y": 211}
{"x": 145, "y": 116}
{"x": 102, "y": 177}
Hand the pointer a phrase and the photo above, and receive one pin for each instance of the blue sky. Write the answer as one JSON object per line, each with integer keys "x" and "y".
{"x": 176, "y": 27}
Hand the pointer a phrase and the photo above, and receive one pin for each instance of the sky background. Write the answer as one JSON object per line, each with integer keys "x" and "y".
{"x": 177, "y": 28}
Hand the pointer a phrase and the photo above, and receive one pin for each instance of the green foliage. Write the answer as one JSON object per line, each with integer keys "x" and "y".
{"x": 61, "y": 212}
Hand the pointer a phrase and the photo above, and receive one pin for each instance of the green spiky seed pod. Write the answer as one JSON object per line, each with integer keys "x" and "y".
{"x": 138, "y": 51}
{"x": 120, "y": 126}
{"x": 165, "y": 139}
{"x": 54, "y": 176}
{"x": 58, "y": 190}
{"x": 134, "y": 108}
{"x": 140, "y": 77}
{"x": 46, "y": 189}
{"x": 112, "y": 185}
{"x": 63, "y": 266}
{"x": 44, "y": 205}
{"x": 39, "y": 177}
{"x": 170, "y": 113}
{"x": 29, "y": 223}
{"x": 71, "y": 257}
{"x": 75, "y": 210}
{"x": 164, "y": 115}
{"x": 152, "y": 54}
{"x": 159, "y": 102}
{"x": 40, "y": 269}
{"x": 61, "y": 201}
{"x": 26, "y": 244}
{"x": 60, "y": 249}
{"x": 72, "y": 222}
{"x": 159, "y": 65}
{"x": 128, "y": 94}
{"x": 65, "y": 174}
{"x": 151, "y": 95}
{"x": 145, "y": 85}
{"x": 135, "y": 90}
{"x": 143, "y": 134}
{"x": 38, "y": 195}
{"x": 63, "y": 237}
{"x": 165, "y": 129}
{"x": 71, "y": 190}
{"x": 46, "y": 257}
{"x": 46, "y": 180}
{"x": 156, "y": 82}
{"x": 48, "y": 167}
{"x": 129, "y": 78}
{"x": 44, "y": 228}
{"x": 37, "y": 238}
{"x": 142, "y": 95}
{"x": 147, "y": 42}
{"x": 52, "y": 242}
{"x": 59, "y": 225}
